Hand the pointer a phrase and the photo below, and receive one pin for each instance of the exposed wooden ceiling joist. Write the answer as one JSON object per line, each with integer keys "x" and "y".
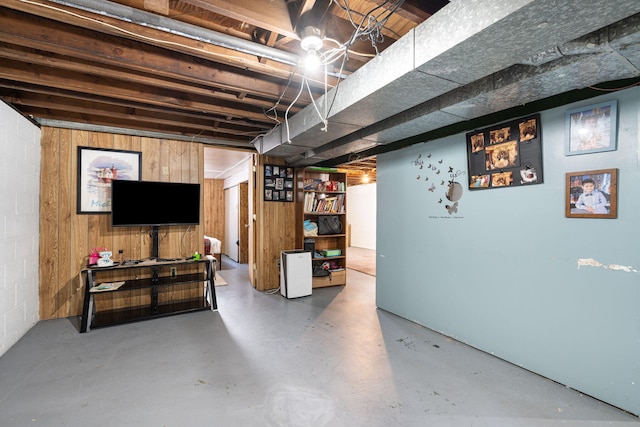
{"x": 67, "y": 61}
{"x": 273, "y": 16}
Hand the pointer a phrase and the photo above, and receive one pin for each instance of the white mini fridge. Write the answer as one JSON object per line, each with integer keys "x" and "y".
{"x": 295, "y": 273}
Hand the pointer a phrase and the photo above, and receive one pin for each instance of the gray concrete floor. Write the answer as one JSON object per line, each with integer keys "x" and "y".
{"x": 331, "y": 359}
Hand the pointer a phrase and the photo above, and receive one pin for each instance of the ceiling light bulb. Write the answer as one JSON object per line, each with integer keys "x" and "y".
{"x": 311, "y": 39}
{"x": 312, "y": 60}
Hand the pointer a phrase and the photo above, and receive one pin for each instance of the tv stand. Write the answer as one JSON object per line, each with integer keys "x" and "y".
{"x": 154, "y": 242}
{"x": 159, "y": 277}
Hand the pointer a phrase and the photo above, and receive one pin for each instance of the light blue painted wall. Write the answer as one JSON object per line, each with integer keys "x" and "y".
{"x": 501, "y": 274}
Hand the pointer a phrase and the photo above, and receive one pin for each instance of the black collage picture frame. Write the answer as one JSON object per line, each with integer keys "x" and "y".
{"x": 278, "y": 183}
{"x": 505, "y": 155}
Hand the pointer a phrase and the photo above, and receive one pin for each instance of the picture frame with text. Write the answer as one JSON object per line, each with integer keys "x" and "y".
{"x": 97, "y": 167}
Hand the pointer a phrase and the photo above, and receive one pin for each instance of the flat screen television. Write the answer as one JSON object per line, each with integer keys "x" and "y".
{"x": 149, "y": 203}
{"x": 154, "y": 204}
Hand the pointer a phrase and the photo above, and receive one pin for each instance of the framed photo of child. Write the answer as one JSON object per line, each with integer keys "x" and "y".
{"x": 592, "y": 194}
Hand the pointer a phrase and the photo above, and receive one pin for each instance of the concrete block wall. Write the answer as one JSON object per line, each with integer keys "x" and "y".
{"x": 19, "y": 225}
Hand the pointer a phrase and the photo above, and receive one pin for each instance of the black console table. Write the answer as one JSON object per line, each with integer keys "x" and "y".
{"x": 164, "y": 273}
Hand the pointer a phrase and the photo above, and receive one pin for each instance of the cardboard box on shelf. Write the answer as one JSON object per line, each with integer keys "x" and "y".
{"x": 336, "y": 278}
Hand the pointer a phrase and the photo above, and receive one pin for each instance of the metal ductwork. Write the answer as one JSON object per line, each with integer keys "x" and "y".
{"x": 468, "y": 60}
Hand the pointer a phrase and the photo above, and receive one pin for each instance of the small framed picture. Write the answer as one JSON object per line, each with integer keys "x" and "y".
{"x": 528, "y": 175}
{"x": 591, "y": 129}
{"x": 279, "y": 183}
{"x": 592, "y": 194}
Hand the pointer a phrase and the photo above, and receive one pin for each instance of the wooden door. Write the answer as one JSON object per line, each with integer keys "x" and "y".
{"x": 243, "y": 247}
{"x": 231, "y": 235}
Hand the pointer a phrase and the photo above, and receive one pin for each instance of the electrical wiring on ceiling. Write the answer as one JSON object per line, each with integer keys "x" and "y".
{"x": 371, "y": 25}
{"x": 370, "y": 28}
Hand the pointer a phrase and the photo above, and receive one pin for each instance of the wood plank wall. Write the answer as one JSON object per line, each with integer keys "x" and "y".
{"x": 66, "y": 238}
{"x": 276, "y": 230}
{"x": 214, "y": 218}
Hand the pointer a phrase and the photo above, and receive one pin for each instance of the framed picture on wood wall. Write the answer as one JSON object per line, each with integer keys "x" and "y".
{"x": 591, "y": 129}
{"x": 97, "y": 167}
{"x": 592, "y": 194}
{"x": 278, "y": 183}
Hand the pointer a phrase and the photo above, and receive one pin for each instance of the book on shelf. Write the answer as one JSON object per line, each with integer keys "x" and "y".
{"x": 316, "y": 204}
{"x": 314, "y": 184}
{"x": 311, "y": 184}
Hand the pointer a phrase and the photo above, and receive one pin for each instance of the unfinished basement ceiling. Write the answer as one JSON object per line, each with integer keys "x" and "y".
{"x": 219, "y": 72}
{"x": 225, "y": 73}
{"x": 360, "y": 171}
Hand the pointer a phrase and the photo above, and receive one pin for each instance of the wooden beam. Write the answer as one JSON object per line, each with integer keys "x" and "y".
{"x": 151, "y": 36}
{"x": 12, "y": 70}
{"x": 119, "y": 112}
{"x": 397, "y": 24}
{"x": 39, "y": 33}
{"x": 415, "y": 11}
{"x": 272, "y": 15}
{"x": 10, "y": 91}
{"x": 35, "y": 57}
{"x": 159, "y": 6}
{"x": 136, "y": 125}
